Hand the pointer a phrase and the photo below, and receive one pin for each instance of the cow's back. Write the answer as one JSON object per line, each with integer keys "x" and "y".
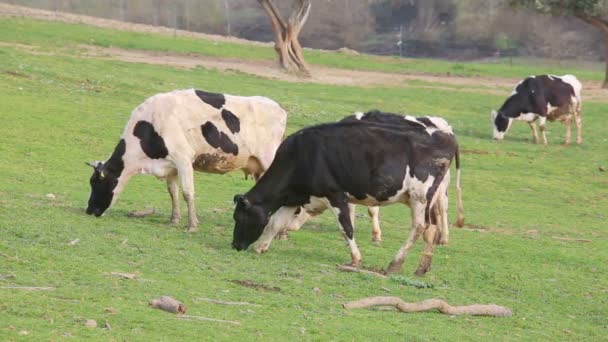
{"x": 363, "y": 158}
{"x": 216, "y": 132}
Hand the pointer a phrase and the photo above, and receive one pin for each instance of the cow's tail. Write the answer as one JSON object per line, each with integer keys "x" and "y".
{"x": 459, "y": 205}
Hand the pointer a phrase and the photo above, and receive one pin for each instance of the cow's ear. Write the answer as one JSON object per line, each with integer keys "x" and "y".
{"x": 241, "y": 199}
{"x": 91, "y": 164}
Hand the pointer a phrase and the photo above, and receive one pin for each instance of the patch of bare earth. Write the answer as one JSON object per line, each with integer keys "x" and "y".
{"x": 269, "y": 69}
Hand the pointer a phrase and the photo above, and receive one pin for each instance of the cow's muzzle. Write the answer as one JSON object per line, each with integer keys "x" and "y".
{"x": 239, "y": 246}
{"x": 96, "y": 212}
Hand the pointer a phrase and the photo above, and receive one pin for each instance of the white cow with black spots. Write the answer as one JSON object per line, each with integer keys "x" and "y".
{"x": 172, "y": 134}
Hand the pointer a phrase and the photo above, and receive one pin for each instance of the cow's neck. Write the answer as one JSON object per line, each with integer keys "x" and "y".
{"x": 511, "y": 108}
{"x": 119, "y": 167}
{"x": 271, "y": 190}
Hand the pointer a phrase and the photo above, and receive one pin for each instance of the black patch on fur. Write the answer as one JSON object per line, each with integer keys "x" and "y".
{"x": 426, "y": 121}
{"x": 233, "y": 123}
{"x": 104, "y": 180}
{"x": 501, "y": 122}
{"x": 218, "y": 139}
{"x": 115, "y": 164}
{"x": 151, "y": 142}
{"x": 212, "y": 99}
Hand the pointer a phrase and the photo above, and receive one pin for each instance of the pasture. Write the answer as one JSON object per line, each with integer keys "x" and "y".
{"x": 61, "y": 108}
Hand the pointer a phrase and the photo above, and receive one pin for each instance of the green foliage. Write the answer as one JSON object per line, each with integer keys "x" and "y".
{"x": 568, "y": 7}
{"x": 60, "y": 109}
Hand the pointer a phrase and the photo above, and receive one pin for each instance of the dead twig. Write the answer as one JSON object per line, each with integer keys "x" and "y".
{"x": 168, "y": 304}
{"x": 431, "y": 304}
{"x": 29, "y": 288}
{"x": 200, "y": 318}
{"x": 142, "y": 213}
{"x": 569, "y": 239}
{"x": 6, "y": 276}
{"x": 123, "y": 275}
{"x": 215, "y": 301}
{"x": 348, "y": 268}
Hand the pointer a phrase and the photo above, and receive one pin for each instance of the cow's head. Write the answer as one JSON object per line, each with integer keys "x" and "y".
{"x": 103, "y": 182}
{"x": 500, "y": 125}
{"x": 249, "y": 222}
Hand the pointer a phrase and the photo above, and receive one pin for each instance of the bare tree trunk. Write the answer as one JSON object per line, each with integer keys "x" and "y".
{"x": 605, "y": 84}
{"x": 286, "y": 34}
{"x": 602, "y": 25}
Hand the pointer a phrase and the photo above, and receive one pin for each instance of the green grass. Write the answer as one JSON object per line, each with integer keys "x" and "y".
{"x": 59, "y": 111}
{"x": 51, "y": 35}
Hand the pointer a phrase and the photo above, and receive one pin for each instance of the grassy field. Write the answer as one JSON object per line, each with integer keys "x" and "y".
{"x": 59, "y": 111}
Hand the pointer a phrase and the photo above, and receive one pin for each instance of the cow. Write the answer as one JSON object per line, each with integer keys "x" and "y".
{"x": 542, "y": 98}
{"x": 354, "y": 162}
{"x": 172, "y": 134}
{"x": 440, "y": 217}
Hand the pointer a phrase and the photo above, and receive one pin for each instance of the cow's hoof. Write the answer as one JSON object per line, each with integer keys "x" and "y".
{"x": 579, "y": 141}
{"x": 393, "y": 268}
{"x": 421, "y": 271}
{"x": 174, "y": 220}
{"x": 192, "y": 230}
{"x": 262, "y": 248}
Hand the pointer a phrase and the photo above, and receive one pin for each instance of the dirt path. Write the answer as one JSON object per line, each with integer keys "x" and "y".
{"x": 268, "y": 69}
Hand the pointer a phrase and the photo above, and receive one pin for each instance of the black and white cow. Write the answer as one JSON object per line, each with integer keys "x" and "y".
{"x": 439, "y": 216}
{"x": 354, "y": 162}
{"x": 172, "y": 134}
{"x": 542, "y": 98}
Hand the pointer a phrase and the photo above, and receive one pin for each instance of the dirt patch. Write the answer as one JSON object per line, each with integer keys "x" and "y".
{"x": 256, "y": 286}
{"x": 483, "y": 229}
{"x": 268, "y": 69}
{"x": 483, "y": 152}
{"x": 15, "y": 74}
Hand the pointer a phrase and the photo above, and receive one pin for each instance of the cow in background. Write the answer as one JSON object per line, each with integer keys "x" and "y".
{"x": 542, "y": 98}
{"x": 172, "y": 134}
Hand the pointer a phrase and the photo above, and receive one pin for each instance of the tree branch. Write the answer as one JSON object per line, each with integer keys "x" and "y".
{"x": 595, "y": 21}
{"x": 430, "y": 304}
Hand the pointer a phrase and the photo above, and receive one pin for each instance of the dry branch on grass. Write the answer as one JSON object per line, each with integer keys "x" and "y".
{"x": 569, "y": 239}
{"x": 142, "y": 213}
{"x": 431, "y": 304}
{"x": 200, "y": 318}
{"x": 215, "y": 301}
{"x": 348, "y": 268}
{"x": 123, "y": 275}
{"x": 168, "y": 304}
{"x": 29, "y": 288}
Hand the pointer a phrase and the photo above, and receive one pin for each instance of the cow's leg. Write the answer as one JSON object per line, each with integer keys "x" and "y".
{"x": 278, "y": 221}
{"x": 429, "y": 246}
{"x": 541, "y": 122}
{"x": 300, "y": 217}
{"x": 374, "y": 214}
{"x": 173, "y": 188}
{"x": 568, "y": 123}
{"x": 442, "y": 218}
{"x": 341, "y": 209}
{"x": 578, "y": 121}
{"x": 186, "y": 176}
{"x": 418, "y": 207}
{"x": 534, "y": 131}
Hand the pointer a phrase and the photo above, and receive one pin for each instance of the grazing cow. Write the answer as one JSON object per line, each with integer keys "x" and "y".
{"x": 542, "y": 98}
{"x": 354, "y": 162}
{"x": 172, "y": 134}
{"x": 439, "y": 211}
